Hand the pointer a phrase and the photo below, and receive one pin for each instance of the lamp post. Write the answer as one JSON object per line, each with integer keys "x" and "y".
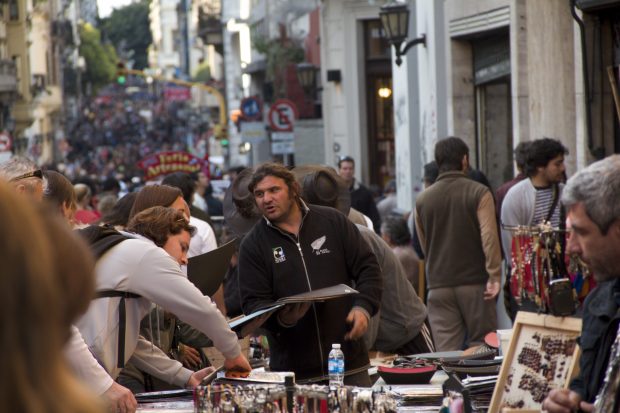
{"x": 395, "y": 20}
{"x": 306, "y": 74}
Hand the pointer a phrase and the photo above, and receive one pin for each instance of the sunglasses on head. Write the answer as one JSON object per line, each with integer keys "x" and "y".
{"x": 34, "y": 174}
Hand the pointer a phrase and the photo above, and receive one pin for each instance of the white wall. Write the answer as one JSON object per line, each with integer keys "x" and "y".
{"x": 422, "y": 108}
{"x": 344, "y": 106}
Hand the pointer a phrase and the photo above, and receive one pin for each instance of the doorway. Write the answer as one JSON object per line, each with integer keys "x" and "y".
{"x": 380, "y": 108}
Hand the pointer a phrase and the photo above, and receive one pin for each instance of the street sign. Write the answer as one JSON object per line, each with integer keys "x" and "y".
{"x": 282, "y": 136}
{"x": 253, "y": 132}
{"x": 282, "y": 115}
{"x": 251, "y": 108}
{"x": 282, "y": 147}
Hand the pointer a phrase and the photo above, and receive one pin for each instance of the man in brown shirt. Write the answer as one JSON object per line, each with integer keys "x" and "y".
{"x": 455, "y": 221}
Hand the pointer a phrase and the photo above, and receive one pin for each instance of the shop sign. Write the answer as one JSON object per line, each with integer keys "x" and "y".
{"x": 163, "y": 163}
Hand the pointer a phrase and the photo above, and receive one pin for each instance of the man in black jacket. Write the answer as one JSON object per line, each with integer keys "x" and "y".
{"x": 297, "y": 248}
{"x": 592, "y": 199}
{"x": 361, "y": 197}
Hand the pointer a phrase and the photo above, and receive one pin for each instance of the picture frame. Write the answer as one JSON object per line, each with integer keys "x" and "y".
{"x": 543, "y": 354}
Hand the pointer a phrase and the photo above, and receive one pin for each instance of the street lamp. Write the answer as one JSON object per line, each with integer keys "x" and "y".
{"x": 395, "y": 19}
{"x": 306, "y": 74}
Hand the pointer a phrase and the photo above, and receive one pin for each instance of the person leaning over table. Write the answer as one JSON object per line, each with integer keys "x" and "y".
{"x": 133, "y": 265}
{"x": 592, "y": 200}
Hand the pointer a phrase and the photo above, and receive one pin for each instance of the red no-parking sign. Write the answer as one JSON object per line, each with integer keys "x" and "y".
{"x": 5, "y": 142}
{"x": 282, "y": 115}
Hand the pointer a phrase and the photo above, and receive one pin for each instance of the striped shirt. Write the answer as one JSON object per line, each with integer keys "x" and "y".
{"x": 544, "y": 200}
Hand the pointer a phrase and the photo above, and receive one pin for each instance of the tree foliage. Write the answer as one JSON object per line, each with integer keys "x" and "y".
{"x": 202, "y": 73}
{"x": 100, "y": 58}
{"x": 279, "y": 54}
{"x": 127, "y": 28}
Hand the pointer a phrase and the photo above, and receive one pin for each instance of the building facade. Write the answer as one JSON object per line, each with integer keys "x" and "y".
{"x": 494, "y": 72}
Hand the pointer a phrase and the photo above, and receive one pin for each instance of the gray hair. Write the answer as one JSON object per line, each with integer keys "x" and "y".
{"x": 18, "y": 166}
{"x": 15, "y": 167}
{"x": 597, "y": 187}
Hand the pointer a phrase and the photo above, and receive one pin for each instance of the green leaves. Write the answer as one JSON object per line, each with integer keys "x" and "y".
{"x": 127, "y": 28}
{"x": 100, "y": 58}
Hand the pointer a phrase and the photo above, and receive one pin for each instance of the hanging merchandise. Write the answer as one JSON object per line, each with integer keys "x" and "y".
{"x": 537, "y": 263}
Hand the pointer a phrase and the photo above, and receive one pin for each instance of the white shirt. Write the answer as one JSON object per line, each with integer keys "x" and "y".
{"x": 84, "y": 364}
{"x": 204, "y": 238}
{"x": 139, "y": 266}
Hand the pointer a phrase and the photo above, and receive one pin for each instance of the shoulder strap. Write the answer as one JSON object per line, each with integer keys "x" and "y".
{"x": 101, "y": 239}
{"x": 556, "y": 198}
{"x": 122, "y": 320}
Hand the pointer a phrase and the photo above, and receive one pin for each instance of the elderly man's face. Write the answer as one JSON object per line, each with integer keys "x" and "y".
{"x": 599, "y": 251}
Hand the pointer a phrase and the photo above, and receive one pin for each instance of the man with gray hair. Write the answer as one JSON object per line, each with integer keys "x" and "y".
{"x": 24, "y": 175}
{"x": 592, "y": 200}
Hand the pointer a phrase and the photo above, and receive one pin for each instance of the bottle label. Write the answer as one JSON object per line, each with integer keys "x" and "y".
{"x": 332, "y": 365}
{"x": 335, "y": 366}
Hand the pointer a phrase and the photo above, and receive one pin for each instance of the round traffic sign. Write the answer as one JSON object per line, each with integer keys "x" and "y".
{"x": 5, "y": 142}
{"x": 282, "y": 115}
{"x": 251, "y": 108}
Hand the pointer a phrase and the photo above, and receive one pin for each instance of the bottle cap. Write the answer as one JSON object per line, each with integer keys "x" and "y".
{"x": 336, "y": 345}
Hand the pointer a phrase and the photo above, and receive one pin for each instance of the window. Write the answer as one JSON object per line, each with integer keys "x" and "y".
{"x": 13, "y": 10}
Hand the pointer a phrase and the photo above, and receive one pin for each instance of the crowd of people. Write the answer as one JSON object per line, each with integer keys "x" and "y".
{"x": 109, "y": 306}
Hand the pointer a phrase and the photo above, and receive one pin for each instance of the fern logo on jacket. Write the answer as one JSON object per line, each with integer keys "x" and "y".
{"x": 317, "y": 244}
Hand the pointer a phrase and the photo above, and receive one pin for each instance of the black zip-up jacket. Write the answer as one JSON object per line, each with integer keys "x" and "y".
{"x": 330, "y": 251}
{"x": 601, "y": 317}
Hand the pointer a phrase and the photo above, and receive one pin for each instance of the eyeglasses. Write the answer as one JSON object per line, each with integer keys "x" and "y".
{"x": 34, "y": 174}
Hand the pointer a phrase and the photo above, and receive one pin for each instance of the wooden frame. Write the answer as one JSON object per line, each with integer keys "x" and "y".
{"x": 543, "y": 354}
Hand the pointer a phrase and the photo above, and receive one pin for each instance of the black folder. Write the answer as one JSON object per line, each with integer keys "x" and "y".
{"x": 207, "y": 271}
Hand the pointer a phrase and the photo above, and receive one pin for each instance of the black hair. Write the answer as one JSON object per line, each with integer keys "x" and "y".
{"x": 396, "y": 229}
{"x": 184, "y": 182}
{"x": 521, "y": 154}
{"x": 119, "y": 214}
{"x": 110, "y": 184}
{"x": 431, "y": 172}
{"x": 345, "y": 158}
{"x": 449, "y": 154}
{"x": 541, "y": 152}
{"x": 279, "y": 171}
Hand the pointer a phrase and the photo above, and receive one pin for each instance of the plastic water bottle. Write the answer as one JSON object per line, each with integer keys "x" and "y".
{"x": 335, "y": 365}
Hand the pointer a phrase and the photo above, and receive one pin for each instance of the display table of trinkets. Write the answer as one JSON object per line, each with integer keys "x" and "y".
{"x": 290, "y": 398}
{"x": 270, "y": 398}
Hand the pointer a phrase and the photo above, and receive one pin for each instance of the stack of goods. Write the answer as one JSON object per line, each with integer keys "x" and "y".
{"x": 476, "y": 392}
{"x": 417, "y": 398}
{"x": 473, "y": 376}
{"x": 472, "y": 367}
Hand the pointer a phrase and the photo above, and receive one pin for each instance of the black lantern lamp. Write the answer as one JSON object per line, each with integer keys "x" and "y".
{"x": 306, "y": 74}
{"x": 395, "y": 20}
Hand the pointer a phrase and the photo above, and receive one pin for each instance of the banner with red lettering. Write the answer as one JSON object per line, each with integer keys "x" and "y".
{"x": 163, "y": 163}
{"x": 174, "y": 93}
